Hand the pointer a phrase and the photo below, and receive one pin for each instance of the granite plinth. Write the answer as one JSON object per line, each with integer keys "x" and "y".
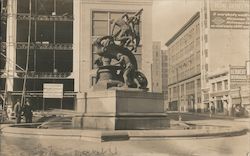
{"x": 121, "y": 110}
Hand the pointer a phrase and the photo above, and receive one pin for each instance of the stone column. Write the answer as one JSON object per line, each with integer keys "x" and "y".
{"x": 76, "y": 45}
{"x": 185, "y": 98}
{"x": 195, "y": 96}
{"x": 230, "y": 106}
{"x": 11, "y": 43}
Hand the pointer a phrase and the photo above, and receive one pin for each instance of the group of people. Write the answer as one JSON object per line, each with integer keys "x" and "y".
{"x": 25, "y": 110}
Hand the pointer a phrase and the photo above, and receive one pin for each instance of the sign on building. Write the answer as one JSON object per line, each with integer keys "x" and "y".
{"x": 229, "y": 20}
{"x": 238, "y": 73}
{"x": 52, "y": 90}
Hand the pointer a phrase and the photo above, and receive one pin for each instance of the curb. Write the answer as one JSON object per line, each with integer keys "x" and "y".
{"x": 119, "y": 135}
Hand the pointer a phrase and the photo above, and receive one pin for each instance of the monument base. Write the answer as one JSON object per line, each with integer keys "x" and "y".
{"x": 121, "y": 110}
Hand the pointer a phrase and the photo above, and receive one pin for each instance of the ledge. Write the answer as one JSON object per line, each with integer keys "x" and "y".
{"x": 99, "y": 135}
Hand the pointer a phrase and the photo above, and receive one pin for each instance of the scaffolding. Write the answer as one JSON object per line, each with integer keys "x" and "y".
{"x": 36, "y": 49}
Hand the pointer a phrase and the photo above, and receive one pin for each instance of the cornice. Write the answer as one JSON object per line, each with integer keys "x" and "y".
{"x": 190, "y": 22}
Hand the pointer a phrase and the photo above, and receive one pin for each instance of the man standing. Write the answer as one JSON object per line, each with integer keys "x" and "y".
{"x": 27, "y": 112}
{"x": 18, "y": 111}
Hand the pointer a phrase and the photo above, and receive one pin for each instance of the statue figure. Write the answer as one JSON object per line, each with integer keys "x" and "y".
{"x": 128, "y": 70}
{"x": 135, "y": 22}
{"x": 124, "y": 70}
{"x": 124, "y": 34}
{"x": 128, "y": 30}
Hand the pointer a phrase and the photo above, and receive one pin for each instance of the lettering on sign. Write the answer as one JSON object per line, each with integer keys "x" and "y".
{"x": 229, "y": 20}
{"x": 238, "y": 73}
{"x": 51, "y": 90}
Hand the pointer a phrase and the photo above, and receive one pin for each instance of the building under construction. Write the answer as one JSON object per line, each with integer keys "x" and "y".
{"x": 48, "y": 40}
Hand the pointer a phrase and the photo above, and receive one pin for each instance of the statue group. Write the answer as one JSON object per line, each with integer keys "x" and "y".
{"x": 117, "y": 65}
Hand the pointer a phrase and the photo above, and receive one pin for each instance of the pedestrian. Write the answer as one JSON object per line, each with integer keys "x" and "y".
{"x": 213, "y": 109}
{"x": 27, "y": 112}
{"x": 18, "y": 111}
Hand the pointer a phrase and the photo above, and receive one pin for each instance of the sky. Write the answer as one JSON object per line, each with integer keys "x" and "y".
{"x": 170, "y": 15}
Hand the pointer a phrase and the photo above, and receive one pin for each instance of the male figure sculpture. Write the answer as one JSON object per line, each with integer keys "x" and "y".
{"x": 124, "y": 34}
{"x": 128, "y": 71}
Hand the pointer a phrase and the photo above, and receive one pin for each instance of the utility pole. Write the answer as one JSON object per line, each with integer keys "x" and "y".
{"x": 27, "y": 58}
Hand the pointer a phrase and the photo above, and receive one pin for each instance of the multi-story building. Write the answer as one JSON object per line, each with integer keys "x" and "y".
{"x": 46, "y": 35}
{"x": 160, "y": 71}
{"x": 157, "y": 67}
{"x": 165, "y": 77}
{"x": 214, "y": 38}
{"x": 229, "y": 88}
{"x": 184, "y": 67}
{"x": 60, "y": 48}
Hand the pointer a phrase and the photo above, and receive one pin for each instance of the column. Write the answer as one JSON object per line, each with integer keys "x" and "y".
{"x": 195, "y": 95}
{"x": 185, "y": 98}
{"x": 11, "y": 43}
{"x": 179, "y": 96}
{"x": 76, "y": 43}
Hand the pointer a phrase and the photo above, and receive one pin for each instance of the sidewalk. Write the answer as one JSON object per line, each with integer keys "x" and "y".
{"x": 187, "y": 116}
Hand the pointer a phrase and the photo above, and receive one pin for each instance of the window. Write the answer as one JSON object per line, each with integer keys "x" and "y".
{"x": 3, "y": 30}
{"x": 45, "y": 61}
{"x": 23, "y": 6}
{"x": 226, "y": 84}
{"x": 205, "y": 38}
{"x": 45, "y": 31}
{"x": 45, "y": 7}
{"x": 23, "y": 31}
{"x": 21, "y": 57}
{"x": 64, "y": 7}
{"x": 182, "y": 90}
{"x": 102, "y": 25}
{"x": 2, "y": 61}
{"x": 63, "y": 61}
{"x": 2, "y": 84}
{"x": 219, "y": 86}
{"x": 206, "y": 67}
{"x": 64, "y": 32}
{"x": 213, "y": 87}
{"x": 206, "y": 52}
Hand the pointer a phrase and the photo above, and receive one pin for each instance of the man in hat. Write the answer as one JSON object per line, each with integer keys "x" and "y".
{"x": 18, "y": 111}
{"x": 27, "y": 112}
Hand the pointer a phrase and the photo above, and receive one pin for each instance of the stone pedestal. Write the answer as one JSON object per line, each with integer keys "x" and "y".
{"x": 121, "y": 110}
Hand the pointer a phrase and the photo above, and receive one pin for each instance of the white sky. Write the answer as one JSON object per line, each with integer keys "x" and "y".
{"x": 170, "y": 15}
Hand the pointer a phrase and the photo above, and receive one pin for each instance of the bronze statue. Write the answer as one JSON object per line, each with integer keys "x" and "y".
{"x": 128, "y": 32}
{"x": 122, "y": 73}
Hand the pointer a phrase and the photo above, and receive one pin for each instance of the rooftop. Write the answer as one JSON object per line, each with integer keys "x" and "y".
{"x": 176, "y": 35}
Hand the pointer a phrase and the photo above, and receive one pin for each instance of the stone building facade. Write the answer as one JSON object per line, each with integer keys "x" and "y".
{"x": 160, "y": 71}
{"x": 210, "y": 41}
